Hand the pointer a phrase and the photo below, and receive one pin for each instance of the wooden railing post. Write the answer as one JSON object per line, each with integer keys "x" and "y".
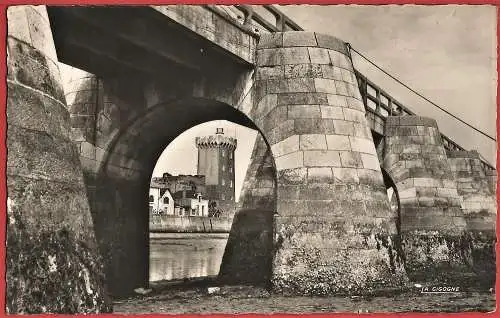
{"x": 377, "y": 96}
{"x": 247, "y": 12}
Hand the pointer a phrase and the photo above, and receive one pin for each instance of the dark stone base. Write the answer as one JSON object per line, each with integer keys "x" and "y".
{"x": 51, "y": 271}
{"x": 467, "y": 259}
{"x": 483, "y": 258}
{"x": 248, "y": 254}
{"x": 334, "y": 271}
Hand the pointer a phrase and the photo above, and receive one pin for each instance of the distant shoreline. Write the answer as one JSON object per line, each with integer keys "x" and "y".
{"x": 186, "y": 235}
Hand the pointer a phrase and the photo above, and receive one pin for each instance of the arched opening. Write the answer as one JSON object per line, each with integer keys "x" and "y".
{"x": 122, "y": 195}
{"x": 393, "y": 195}
{"x": 198, "y": 178}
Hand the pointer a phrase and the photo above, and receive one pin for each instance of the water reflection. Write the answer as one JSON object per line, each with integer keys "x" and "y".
{"x": 185, "y": 255}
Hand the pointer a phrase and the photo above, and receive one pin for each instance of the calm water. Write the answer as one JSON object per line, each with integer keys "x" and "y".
{"x": 185, "y": 255}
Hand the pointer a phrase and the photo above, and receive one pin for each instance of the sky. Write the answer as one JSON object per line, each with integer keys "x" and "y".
{"x": 447, "y": 53}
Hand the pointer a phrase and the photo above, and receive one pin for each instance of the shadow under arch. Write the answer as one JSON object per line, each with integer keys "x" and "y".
{"x": 394, "y": 199}
{"x": 121, "y": 218}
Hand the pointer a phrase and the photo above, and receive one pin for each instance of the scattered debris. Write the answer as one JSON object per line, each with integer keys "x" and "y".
{"x": 213, "y": 290}
{"x": 142, "y": 291}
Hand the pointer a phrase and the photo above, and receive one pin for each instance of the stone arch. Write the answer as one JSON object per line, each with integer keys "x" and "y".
{"x": 121, "y": 183}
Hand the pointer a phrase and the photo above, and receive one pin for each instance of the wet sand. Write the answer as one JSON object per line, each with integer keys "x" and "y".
{"x": 246, "y": 299}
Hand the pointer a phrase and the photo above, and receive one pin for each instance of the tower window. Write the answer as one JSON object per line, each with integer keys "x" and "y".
{"x": 222, "y": 197}
{"x": 165, "y": 200}
{"x": 223, "y": 182}
{"x": 230, "y": 155}
{"x": 223, "y": 168}
{"x": 231, "y": 183}
{"x": 223, "y": 153}
{"x": 151, "y": 198}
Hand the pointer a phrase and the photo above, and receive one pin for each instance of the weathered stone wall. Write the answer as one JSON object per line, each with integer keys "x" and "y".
{"x": 480, "y": 210}
{"x": 227, "y": 34}
{"x": 334, "y": 231}
{"x": 478, "y": 201}
{"x": 189, "y": 224}
{"x": 433, "y": 226}
{"x": 52, "y": 259}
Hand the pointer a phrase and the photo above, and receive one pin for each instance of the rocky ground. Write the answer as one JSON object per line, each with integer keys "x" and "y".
{"x": 247, "y": 299}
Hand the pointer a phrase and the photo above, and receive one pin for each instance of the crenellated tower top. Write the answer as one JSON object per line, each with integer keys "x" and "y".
{"x": 216, "y": 141}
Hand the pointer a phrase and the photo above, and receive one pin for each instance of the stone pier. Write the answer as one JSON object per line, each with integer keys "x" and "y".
{"x": 52, "y": 258}
{"x": 249, "y": 249}
{"x": 433, "y": 227}
{"x": 479, "y": 207}
{"x": 334, "y": 230}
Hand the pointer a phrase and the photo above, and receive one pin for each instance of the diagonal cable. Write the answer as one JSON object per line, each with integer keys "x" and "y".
{"x": 419, "y": 94}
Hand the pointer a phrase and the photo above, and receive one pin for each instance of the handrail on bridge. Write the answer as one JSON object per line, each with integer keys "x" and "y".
{"x": 249, "y": 17}
{"x": 373, "y": 97}
{"x": 282, "y": 21}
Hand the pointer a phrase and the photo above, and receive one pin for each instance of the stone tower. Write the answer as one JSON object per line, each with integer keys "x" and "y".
{"x": 216, "y": 163}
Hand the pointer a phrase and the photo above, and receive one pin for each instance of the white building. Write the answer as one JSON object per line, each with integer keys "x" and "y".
{"x": 194, "y": 206}
{"x": 160, "y": 201}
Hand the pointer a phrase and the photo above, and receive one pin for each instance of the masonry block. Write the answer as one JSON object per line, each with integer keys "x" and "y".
{"x": 323, "y": 85}
{"x": 319, "y": 55}
{"x": 299, "y": 38}
{"x": 304, "y": 111}
{"x": 286, "y": 146}
{"x": 343, "y": 127}
{"x": 302, "y": 98}
{"x": 320, "y": 175}
{"x": 295, "y": 55}
{"x": 303, "y": 70}
{"x": 322, "y": 158}
{"x": 351, "y": 159}
{"x": 362, "y": 145}
{"x": 337, "y": 100}
{"x": 313, "y": 142}
{"x": 291, "y": 160}
{"x": 331, "y": 72}
{"x": 331, "y": 42}
{"x": 338, "y": 142}
{"x": 331, "y": 112}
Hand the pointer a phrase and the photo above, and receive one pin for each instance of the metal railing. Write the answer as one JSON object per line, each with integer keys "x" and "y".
{"x": 247, "y": 16}
{"x": 379, "y": 101}
{"x": 382, "y": 104}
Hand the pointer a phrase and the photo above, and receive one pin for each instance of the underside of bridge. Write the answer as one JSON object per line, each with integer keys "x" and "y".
{"x": 314, "y": 217}
{"x": 118, "y": 192}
